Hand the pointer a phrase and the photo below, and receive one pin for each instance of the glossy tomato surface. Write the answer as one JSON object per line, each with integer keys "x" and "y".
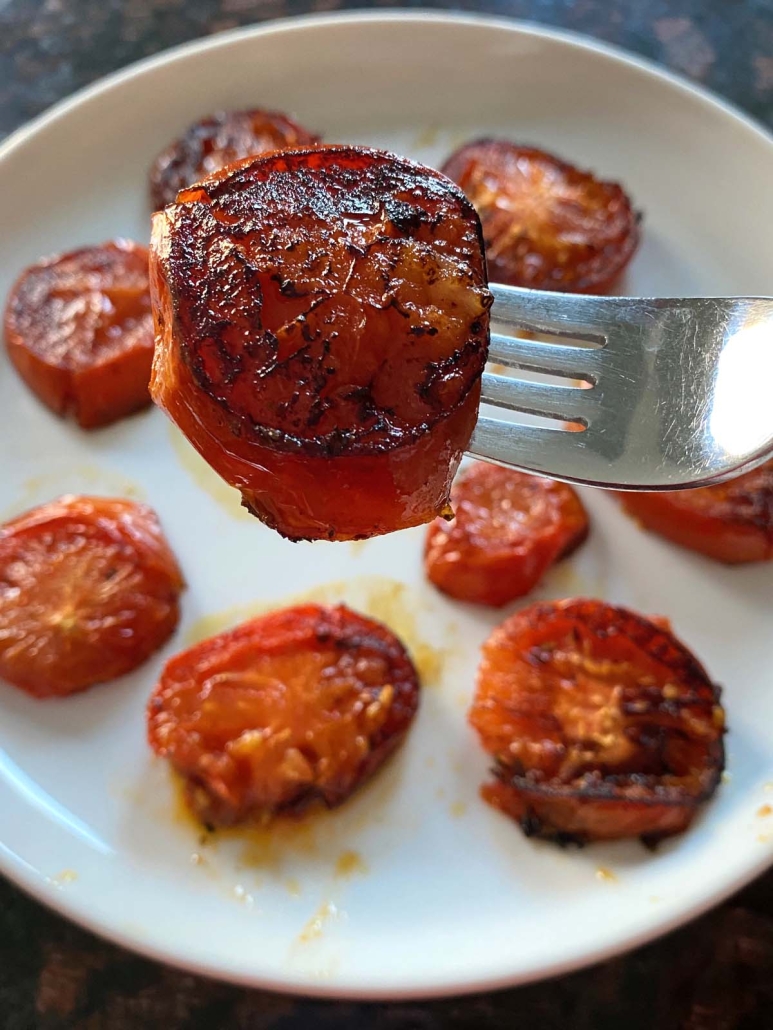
{"x": 297, "y": 706}
{"x": 508, "y": 529}
{"x": 322, "y": 326}
{"x": 219, "y": 140}
{"x": 601, "y": 723}
{"x": 89, "y": 589}
{"x": 547, "y": 224}
{"x": 731, "y": 522}
{"x": 79, "y": 332}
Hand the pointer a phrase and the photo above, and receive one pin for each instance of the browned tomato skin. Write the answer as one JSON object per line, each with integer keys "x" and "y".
{"x": 333, "y": 379}
{"x": 572, "y": 768}
{"x": 89, "y": 588}
{"x": 547, "y": 225}
{"x": 330, "y": 668}
{"x": 509, "y": 528}
{"x": 731, "y": 522}
{"x": 79, "y": 331}
{"x": 217, "y": 141}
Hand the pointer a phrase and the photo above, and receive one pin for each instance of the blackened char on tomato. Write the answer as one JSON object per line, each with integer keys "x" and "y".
{"x": 322, "y": 326}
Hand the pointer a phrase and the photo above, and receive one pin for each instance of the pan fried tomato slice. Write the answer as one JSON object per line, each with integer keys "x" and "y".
{"x": 730, "y": 522}
{"x": 79, "y": 331}
{"x": 601, "y": 723}
{"x": 322, "y": 326}
{"x": 547, "y": 225}
{"x": 508, "y": 529}
{"x": 89, "y": 589}
{"x": 300, "y": 705}
{"x": 219, "y": 140}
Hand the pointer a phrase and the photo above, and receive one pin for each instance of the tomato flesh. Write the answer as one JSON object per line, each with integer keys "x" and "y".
{"x": 731, "y": 522}
{"x": 79, "y": 331}
{"x": 222, "y": 139}
{"x": 322, "y": 326}
{"x": 89, "y": 589}
{"x": 547, "y": 225}
{"x": 300, "y": 705}
{"x": 601, "y": 723}
{"x": 508, "y": 529}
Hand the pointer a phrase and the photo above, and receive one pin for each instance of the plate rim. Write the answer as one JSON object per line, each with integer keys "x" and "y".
{"x": 30, "y": 881}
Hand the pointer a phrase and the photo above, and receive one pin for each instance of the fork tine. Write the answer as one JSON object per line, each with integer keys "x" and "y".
{"x": 570, "y": 315}
{"x": 562, "y": 402}
{"x": 529, "y": 448}
{"x": 550, "y": 358}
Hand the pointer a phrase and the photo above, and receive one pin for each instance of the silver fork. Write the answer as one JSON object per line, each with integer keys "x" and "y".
{"x": 681, "y": 390}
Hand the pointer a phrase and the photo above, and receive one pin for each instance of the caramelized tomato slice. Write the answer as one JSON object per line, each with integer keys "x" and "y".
{"x": 219, "y": 140}
{"x": 730, "y": 522}
{"x": 508, "y": 529}
{"x": 89, "y": 589}
{"x": 79, "y": 331}
{"x": 322, "y": 326}
{"x": 547, "y": 225}
{"x": 300, "y": 705}
{"x": 601, "y": 723}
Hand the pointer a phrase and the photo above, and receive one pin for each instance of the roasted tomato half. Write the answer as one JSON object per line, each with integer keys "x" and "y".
{"x": 508, "y": 529}
{"x": 79, "y": 331}
{"x": 547, "y": 225}
{"x": 731, "y": 522}
{"x": 219, "y": 140}
{"x": 89, "y": 589}
{"x": 322, "y": 326}
{"x": 601, "y": 723}
{"x": 300, "y": 705}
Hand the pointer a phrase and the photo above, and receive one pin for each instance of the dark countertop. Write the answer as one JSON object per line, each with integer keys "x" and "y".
{"x": 716, "y": 974}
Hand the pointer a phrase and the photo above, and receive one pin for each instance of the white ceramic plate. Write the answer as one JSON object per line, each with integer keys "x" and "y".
{"x": 415, "y": 887}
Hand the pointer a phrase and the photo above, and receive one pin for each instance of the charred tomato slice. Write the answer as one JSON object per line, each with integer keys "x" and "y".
{"x": 79, "y": 332}
{"x": 298, "y": 706}
{"x": 322, "y": 326}
{"x": 89, "y": 589}
{"x": 601, "y": 723}
{"x": 731, "y": 522}
{"x": 547, "y": 225}
{"x": 221, "y": 139}
{"x": 508, "y": 529}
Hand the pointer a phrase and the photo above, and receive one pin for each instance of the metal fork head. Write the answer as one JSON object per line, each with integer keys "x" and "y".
{"x": 676, "y": 391}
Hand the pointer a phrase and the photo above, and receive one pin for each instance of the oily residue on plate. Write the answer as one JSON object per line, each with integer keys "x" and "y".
{"x": 72, "y": 479}
{"x": 348, "y": 864}
{"x": 276, "y": 846}
{"x": 605, "y": 875}
{"x": 208, "y": 480}
{"x": 315, "y": 926}
{"x": 387, "y": 600}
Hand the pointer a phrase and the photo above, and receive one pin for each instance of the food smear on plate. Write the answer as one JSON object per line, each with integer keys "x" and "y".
{"x": 89, "y": 589}
{"x": 321, "y": 330}
{"x": 601, "y": 724}
{"x": 731, "y": 522}
{"x": 79, "y": 331}
{"x": 507, "y": 531}
{"x": 547, "y": 225}
{"x": 218, "y": 140}
{"x": 293, "y": 708}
